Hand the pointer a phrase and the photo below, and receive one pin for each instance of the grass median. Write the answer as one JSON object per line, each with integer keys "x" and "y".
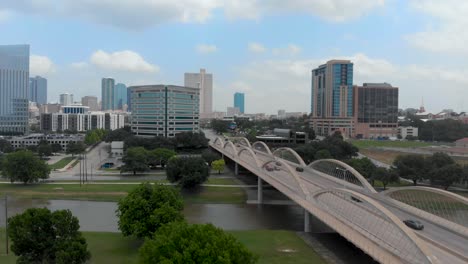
{"x": 61, "y": 163}
{"x": 273, "y": 247}
{"x": 363, "y": 144}
{"x": 116, "y": 190}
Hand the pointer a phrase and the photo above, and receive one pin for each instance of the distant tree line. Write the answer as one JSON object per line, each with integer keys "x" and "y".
{"x": 447, "y": 130}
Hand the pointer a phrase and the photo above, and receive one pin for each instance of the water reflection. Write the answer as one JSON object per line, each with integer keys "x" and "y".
{"x": 100, "y": 216}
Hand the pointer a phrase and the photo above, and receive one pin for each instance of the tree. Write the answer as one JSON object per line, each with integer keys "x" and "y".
{"x": 25, "y": 167}
{"x": 209, "y": 156}
{"x": 385, "y": 175}
{"x": 219, "y": 126}
{"x": 446, "y": 175}
{"x": 56, "y": 148}
{"x": 218, "y": 165}
{"x": 148, "y": 207}
{"x": 364, "y": 166}
{"x": 438, "y": 160}
{"x": 120, "y": 134}
{"x": 160, "y": 156}
{"x": 180, "y": 242}
{"x": 5, "y": 146}
{"x": 307, "y": 152}
{"x": 323, "y": 154}
{"x": 188, "y": 172}
{"x": 190, "y": 140}
{"x": 411, "y": 167}
{"x": 75, "y": 148}
{"x": 44, "y": 149}
{"x": 135, "y": 159}
{"x": 41, "y": 236}
{"x": 92, "y": 137}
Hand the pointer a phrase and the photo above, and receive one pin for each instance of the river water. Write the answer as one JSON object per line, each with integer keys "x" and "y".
{"x": 100, "y": 216}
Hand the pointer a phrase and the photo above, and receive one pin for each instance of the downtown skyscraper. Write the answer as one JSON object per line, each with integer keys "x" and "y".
{"x": 204, "y": 82}
{"x": 38, "y": 90}
{"x": 107, "y": 93}
{"x": 14, "y": 89}
{"x": 239, "y": 101}
{"x": 332, "y": 98}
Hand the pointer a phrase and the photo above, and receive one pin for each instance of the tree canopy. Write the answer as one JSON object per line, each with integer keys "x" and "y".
{"x": 160, "y": 156}
{"x": 412, "y": 167}
{"x": 75, "y": 148}
{"x": 363, "y": 165}
{"x": 385, "y": 176}
{"x": 135, "y": 160}
{"x": 24, "y": 166}
{"x": 148, "y": 207}
{"x": 179, "y": 242}
{"x": 41, "y": 236}
{"x": 188, "y": 172}
{"x": 332, "y": 146}
{"x": 209, "y": 156}
{"x": 5, "y": 146}
{"x": 218, "y": 165}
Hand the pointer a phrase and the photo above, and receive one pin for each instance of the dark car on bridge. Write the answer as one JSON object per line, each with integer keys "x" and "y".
{"x": 415, "y": 224}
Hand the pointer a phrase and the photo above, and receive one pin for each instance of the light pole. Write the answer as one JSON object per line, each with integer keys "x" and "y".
{"x": 344, "y": 175}
{"x": 380, "y": 129}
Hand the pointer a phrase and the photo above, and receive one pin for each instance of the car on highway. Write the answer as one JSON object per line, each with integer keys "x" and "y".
{"x": 299, "y": 169}
{"x": 269, "y": 168}
{"x": 414, "y": 224}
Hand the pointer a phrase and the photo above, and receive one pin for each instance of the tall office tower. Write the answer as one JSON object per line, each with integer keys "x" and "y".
{"x": 91, "y": 102}
{"x": 204, "y": 82}
{"x": 14, "y": 89}
{"x": 239, "y": 101}
{"x": 38, "y": 90}
{"x": 332, "y": 98}
{"x": 129, "y": 99}
{"x": 376, "y": 108}
{"x": 120, "y": 96}
{"x": 164, "y": 110}
{"x": 66, "y": 99}
{"x": 107, "y": 93}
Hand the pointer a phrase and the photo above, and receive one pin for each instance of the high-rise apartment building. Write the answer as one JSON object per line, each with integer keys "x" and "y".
{"x": 91, "y": 102}
{"x": 120, "y": 96}
{"x": 332, "y": 98}
{"x": 129, "y": 99}
{"x": 164, "y": 110}
{"x": 14, "y": 89}
{"x": 376, "y": 108}
{"x": 66, "y": 99}
{"x": 204, "y": 82}
{"x": 239, "y": 101}
{"x": 107, "y": 93}
{"x": 38, "y": 90}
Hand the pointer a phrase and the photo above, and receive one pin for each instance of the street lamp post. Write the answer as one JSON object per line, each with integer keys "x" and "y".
{"x": 344, "y": 175}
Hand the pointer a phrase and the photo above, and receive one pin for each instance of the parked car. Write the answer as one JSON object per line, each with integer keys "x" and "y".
{"x": 414, "y": 224}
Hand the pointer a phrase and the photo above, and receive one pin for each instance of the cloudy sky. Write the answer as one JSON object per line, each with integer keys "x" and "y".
{"x": 265, "y": 48}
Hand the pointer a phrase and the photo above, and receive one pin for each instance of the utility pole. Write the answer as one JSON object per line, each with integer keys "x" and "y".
{"x": 6, "y": 223}
{"x": 81, "y": 165}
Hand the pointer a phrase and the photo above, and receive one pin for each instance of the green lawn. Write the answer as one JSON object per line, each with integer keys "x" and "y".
{"x": 61, "y": 163}
{"x": 363, "y": 144}
{"x": 393, "y": 184}
{"x": 281, "y": 247}
{"x": 222, "y": 181}
{"x": 113, "y": 192}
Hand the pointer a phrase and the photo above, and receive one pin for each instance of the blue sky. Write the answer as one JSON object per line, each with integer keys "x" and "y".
{"x": 263, "y": 48}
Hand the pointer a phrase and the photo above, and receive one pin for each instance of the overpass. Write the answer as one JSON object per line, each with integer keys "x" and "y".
{"x": 339, "y": 196}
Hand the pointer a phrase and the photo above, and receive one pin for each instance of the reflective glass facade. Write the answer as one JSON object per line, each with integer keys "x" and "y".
{"x": 107, "y": 93}
{"x": 239, "y": 101}
{"x": 38, "y": 90}
{"x": 120, "y": 96}
{"x": 14, "y": 88}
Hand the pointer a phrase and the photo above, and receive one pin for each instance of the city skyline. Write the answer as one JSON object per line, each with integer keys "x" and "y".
{"x": 261, "y": 63}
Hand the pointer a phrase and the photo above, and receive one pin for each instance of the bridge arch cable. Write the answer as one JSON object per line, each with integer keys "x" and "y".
{"x": 428, "y": 202}
{"x": 241, "y": 141}
{"x": 261, "y": 147}
{"x": 366, "y": 216}
{"x": 342, "y": 172}
{"x": 219, "y": 142}
{"x": 231, "y": 148}
{"x": 248, "y": 155}
{"x": 289, "y": 155}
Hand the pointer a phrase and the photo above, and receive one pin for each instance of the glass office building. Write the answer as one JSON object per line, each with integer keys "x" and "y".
{"x": 38, "y": 90}
{"x": 107, "y": 93}
{"x": 120, "y": 96}
{"x": 14, "y": 89}
{"x": 164, "y": 110}
{"x": 239, "y": 101}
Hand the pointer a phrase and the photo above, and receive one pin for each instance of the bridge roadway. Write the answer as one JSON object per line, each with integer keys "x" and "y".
{"x": 441, "y": 245}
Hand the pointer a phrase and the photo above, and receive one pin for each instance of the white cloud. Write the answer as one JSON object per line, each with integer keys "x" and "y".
{"x": 450, "y": 36}
{"x": 206, "y": 48}
{"x": 139, "y": 14}
{"x": 290, "y": 50}
{"x": 256, "y": 47}
{"x": 125, "y": 60}
{"x": 41, "y": 65}
{"x": 330, "y": 10}
{"x": 79, "y": 65}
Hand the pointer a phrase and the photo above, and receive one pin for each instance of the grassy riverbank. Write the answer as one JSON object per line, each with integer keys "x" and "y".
{"x": 113, "y": 191}
{"x": 273, "y": 247}
{"x": 61, "y": 163}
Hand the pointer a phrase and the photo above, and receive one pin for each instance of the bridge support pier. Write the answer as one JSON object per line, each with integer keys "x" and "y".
{"x": 306, "y": 221}
{"x": 236, "y": 169}
{"x": 260, "y": 190}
